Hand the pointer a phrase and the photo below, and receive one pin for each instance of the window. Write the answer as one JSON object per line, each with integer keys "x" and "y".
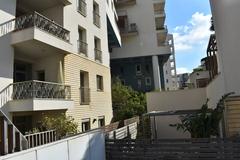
{"x": 101, "y": 121}
{"x": 148, "y": 81}
{"x": 96, "y": 16}
{"x": 122, "y": 70}
{"x": 138, "y": 69}
{"x": 97, "y": 48}
{"x": 147, "y": 68}
{"x": 86, "y": 125}
{"x": 82, "y": 7}
{"x": 166, "y": 80}
{"x": 99, "y": 83}
{"x": 41, "y": 75}
{"x": 84, "y": 88}
{"x": 139, "y": 83}
{"x": 82, "y": 41}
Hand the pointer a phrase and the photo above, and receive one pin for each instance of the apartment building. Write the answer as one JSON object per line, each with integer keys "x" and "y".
{"x": 223, "y": 65}
{"x": 54, "y": 58}
{"x": 143, "y": 60}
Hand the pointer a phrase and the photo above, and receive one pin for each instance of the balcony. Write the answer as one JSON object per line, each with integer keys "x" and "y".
{"x": 35, "y": 31}
{"x": 98, "y": 55}
{"x": 82, "y": 7}
{"x": 85, "y": 96}
{"x": 37, "y": 20}
{"x": 82, "y": 47}
{"x": 123, "y": 3}
{"x": 130, "y": 30}
{"x": 36, "y": 5}
{"x": 38, "y": 95}
{"x": 96, "y": 19}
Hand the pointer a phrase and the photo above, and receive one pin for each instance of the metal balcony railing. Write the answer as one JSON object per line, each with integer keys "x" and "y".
{"x": 82, "y": 47}
{"x": 85, "y": 95}
{"x": 98, "y": 55}
{"x": 42, "y": 90}
{"x": 160, "y": 27}
{"x": 96, "y": 19}
{"x": 37, "y": 20}
{"x": 132, "y": 28}
{"x": 82, "y": 7}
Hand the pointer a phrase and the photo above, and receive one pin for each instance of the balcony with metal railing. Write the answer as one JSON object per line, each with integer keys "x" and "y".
{"x": 84, "y": 95}
{"x": 34, "y": 27}
{"x": 82, "y": 47}
{"x": 38, "y": 95}
{"x": 82, "y": 7}
{"x": 96, "y": 19}
{"x": 129, "y": 30}
{"x": 98, "y": 55}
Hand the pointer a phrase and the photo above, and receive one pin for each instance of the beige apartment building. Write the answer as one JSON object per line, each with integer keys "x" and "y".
{"x": 54, "y": 58}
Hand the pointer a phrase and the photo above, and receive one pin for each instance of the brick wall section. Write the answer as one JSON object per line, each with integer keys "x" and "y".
{"x": 100, "y": 104}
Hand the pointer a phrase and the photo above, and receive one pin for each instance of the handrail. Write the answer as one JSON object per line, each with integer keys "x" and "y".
{"x": 35, "y": 19}
{"x": 40, "y": 89}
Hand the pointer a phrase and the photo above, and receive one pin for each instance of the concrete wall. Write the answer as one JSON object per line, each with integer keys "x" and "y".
{"x": 170, "y": 101}
{"x": 7, "y": 12}
{"x": 90, "y": 146}
{"x": 226, "y": 23}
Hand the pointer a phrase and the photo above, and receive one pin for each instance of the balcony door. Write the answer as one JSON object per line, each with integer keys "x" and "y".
{"x": 84, "y": 88}
{"x": 22, "y": 71}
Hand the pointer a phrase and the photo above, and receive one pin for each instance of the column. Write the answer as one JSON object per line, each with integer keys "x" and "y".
{"x": 156, "y": 73}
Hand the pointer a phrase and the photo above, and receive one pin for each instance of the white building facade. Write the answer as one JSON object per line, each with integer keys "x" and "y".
{"x": 54, "y": 59}
{"x": 143, "y": 60}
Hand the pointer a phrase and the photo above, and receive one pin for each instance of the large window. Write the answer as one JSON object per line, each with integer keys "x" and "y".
{"x": 99, "y": 83}
{"x": 86, "y": 125}
{"x": 96, "y": 16}
{"x": 82, "y": 7}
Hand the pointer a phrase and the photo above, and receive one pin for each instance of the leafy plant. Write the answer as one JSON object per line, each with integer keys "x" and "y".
{"x": 127, "y": 103}
{"x": 204, "y": 123}
{"x": 64, "y": 125}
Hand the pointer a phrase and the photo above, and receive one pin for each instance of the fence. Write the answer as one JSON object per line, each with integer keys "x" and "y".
{"x": 86, "y": 146}
{"x": 174, "y": 149}
{"x": 129, "y": 131}
{"x": 41, "y": 138}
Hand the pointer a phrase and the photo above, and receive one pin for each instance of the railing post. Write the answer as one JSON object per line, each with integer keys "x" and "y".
{"x": 128, "y": 132}
{"x": 4, "y": 136}
{"x": 114, "y": 135}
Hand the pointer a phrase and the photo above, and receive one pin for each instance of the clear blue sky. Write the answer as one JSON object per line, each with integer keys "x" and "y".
{"x": 189, "y": 20}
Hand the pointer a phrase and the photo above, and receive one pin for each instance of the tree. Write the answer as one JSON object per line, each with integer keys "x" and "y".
{"x": 204, "y": 123}
{"x": 127, "y": 103}
{"x": 64, "y": 125}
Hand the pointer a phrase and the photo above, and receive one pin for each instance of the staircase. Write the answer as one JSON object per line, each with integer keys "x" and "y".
{"x": 11, "y": 139}
{"x": 232, "y": 118}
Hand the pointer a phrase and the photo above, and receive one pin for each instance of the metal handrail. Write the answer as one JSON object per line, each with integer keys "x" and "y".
{"x": 40, "y": 89}
{"x": 98, "y": 55}
{"x": 84, "y": 95}
{"x": 82, "y": 47}
{"x": 96, "y": 18}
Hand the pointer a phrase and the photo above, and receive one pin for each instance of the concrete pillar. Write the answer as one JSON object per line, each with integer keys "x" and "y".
{"x": 156, "y": 73}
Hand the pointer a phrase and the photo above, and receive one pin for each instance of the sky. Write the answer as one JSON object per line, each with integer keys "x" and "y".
{"x": 189, "y": 22}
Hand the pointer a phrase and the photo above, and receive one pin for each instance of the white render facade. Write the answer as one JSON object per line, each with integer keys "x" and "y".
{"x": 62, "y": 49}
{"x": 145, "y": 44}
